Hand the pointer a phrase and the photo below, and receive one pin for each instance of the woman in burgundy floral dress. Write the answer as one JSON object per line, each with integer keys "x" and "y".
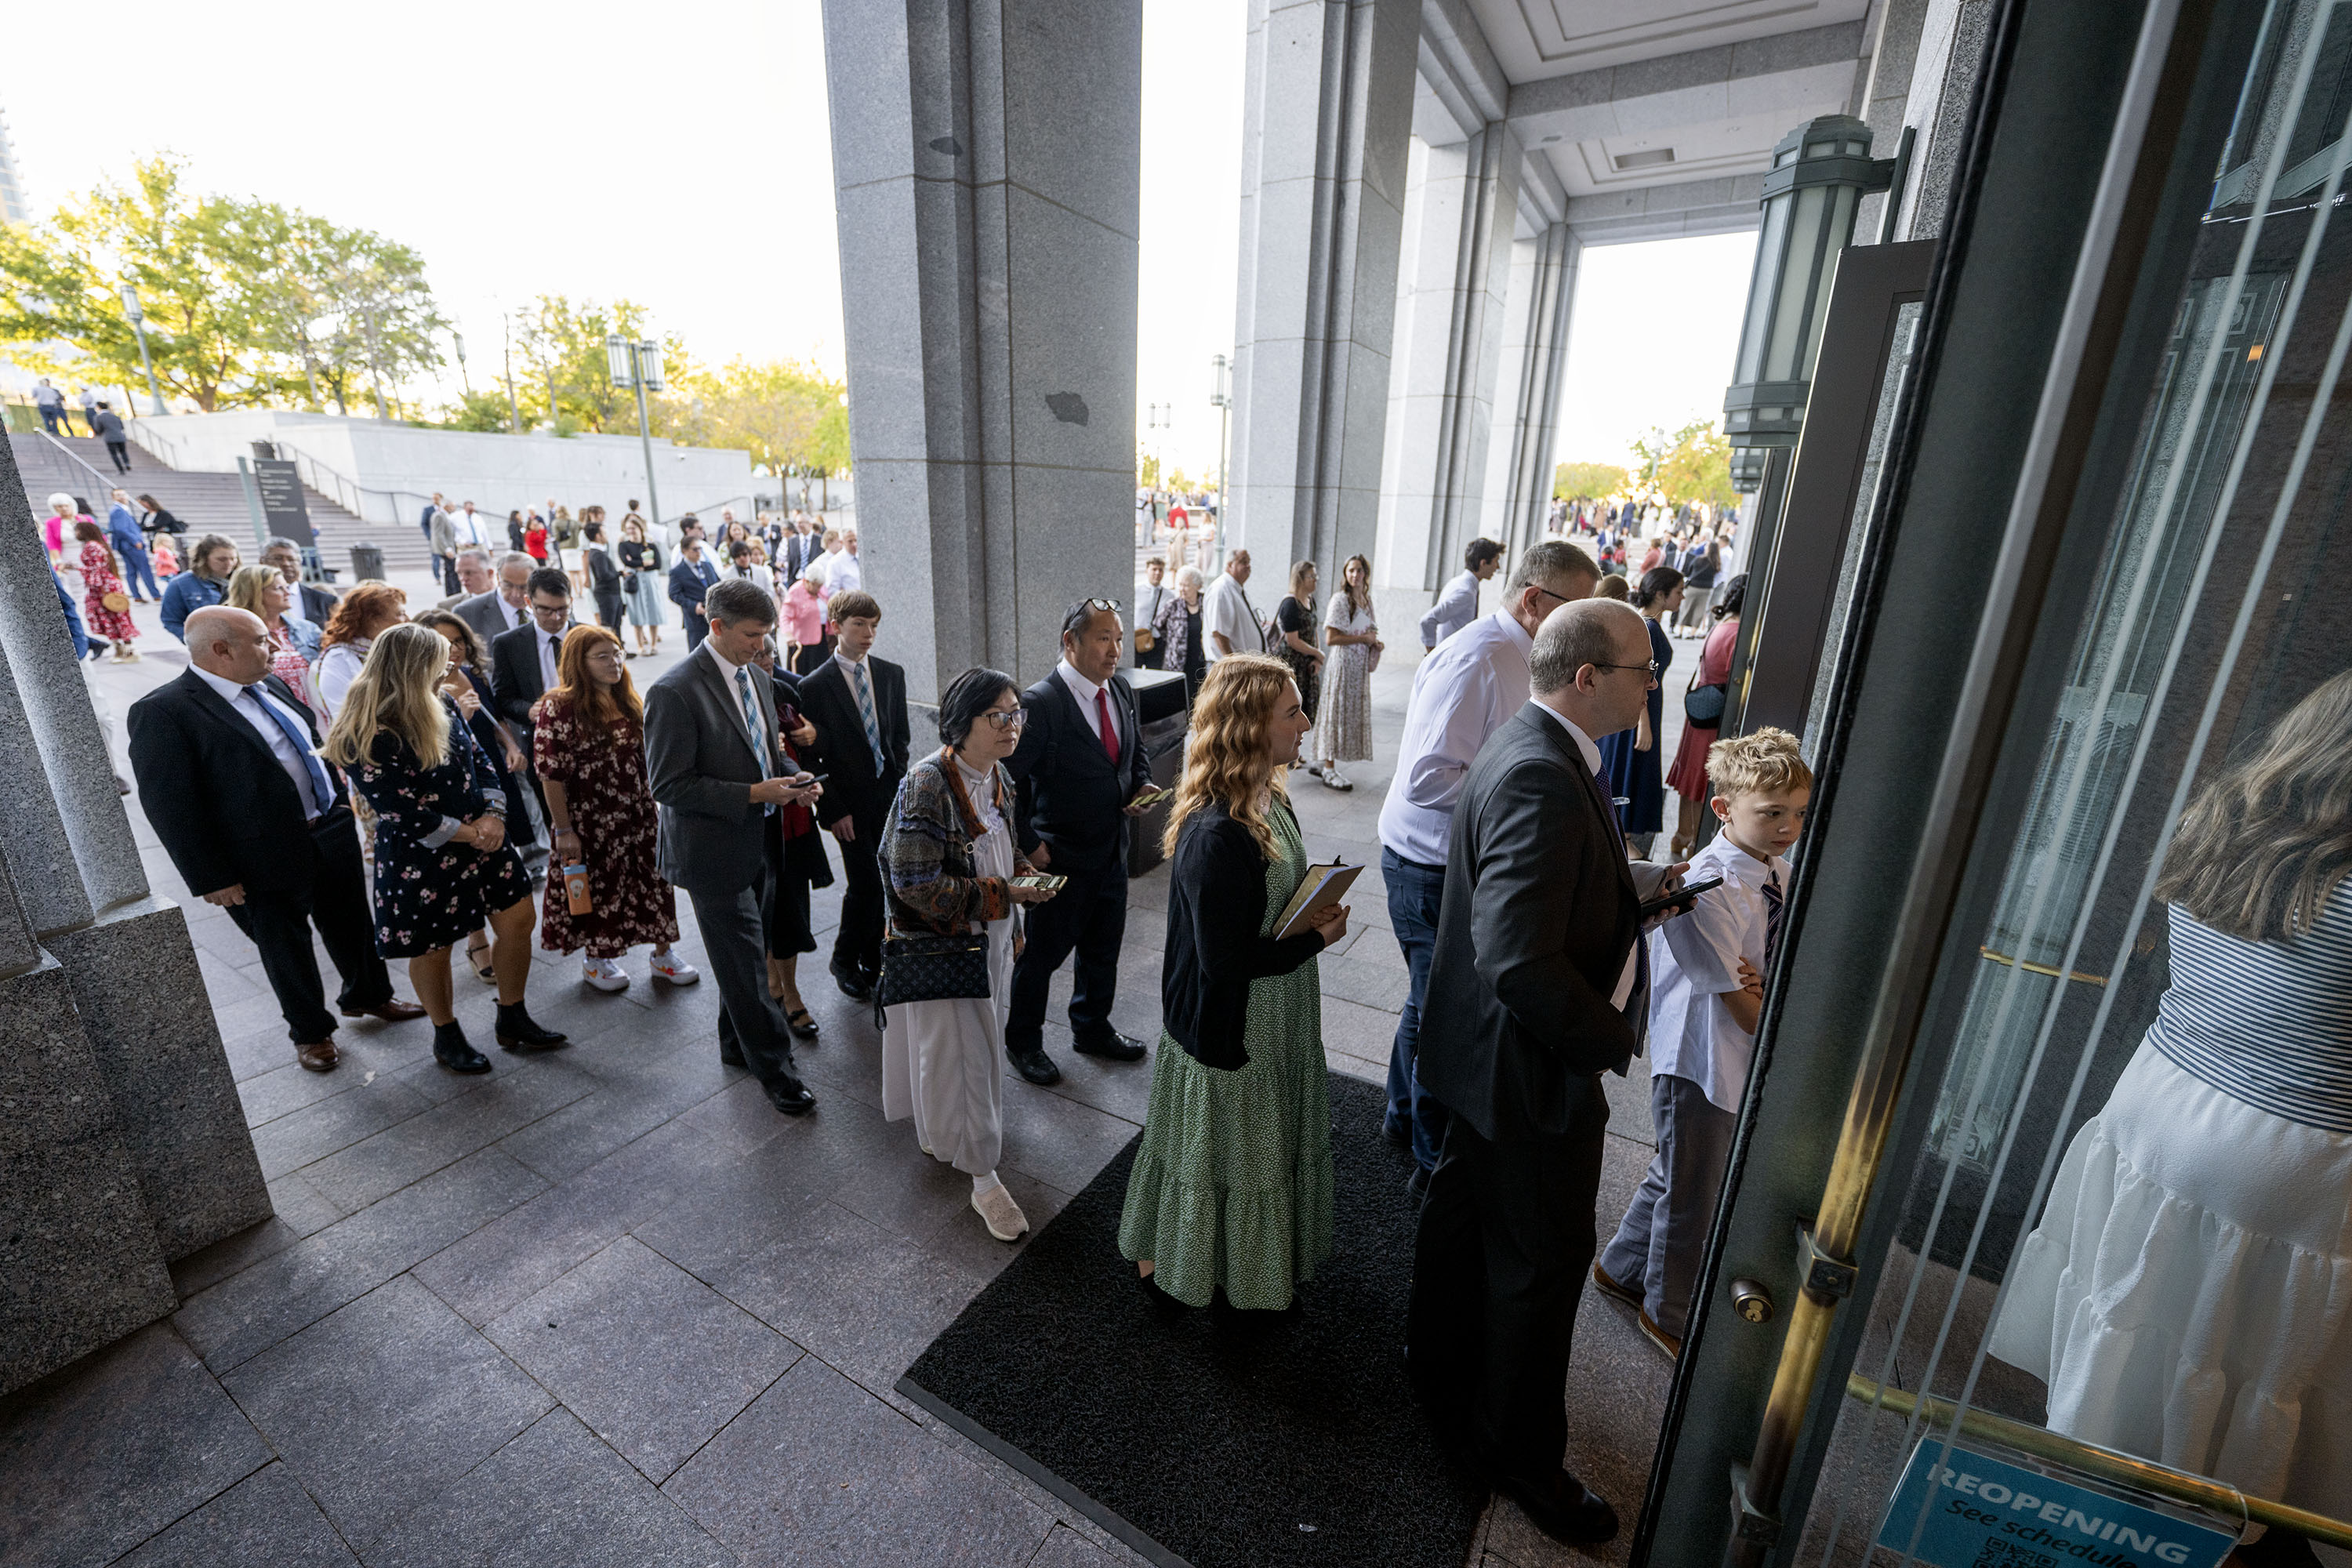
{"x": 99, "y": 578}
{"x": 591, "y": 750}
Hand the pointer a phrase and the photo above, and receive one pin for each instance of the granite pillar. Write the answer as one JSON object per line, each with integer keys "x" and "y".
{"x": 1527, "y": 391}
{"x": 80, "y": 1262}
{"x": 125, "y": 954}
{"x": 985, "y": 159}
{"x": 1450, "y": 354}
{"x": 1327, "y": 119}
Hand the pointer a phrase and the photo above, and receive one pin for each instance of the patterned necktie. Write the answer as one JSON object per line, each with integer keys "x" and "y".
{"x": 323, "y": 792}
{"x": 1772, "y": 912}
{"x": 1102, "y": 719}
{"x": 865, "y": 711}
{"x": 752, "y": 716}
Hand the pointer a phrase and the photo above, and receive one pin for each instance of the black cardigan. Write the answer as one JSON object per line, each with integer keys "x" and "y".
{"x": 1216, "y": 904}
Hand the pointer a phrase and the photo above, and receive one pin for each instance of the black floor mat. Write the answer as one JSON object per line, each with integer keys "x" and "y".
{"x": 1280, "y": 1438}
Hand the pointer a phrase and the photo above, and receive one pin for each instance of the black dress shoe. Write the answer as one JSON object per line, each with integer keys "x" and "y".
{"x": 1119, "y": 1047}
{"x": 1561, "y": 1507}
{"x": 454, "y": 1051}
{"x": 791, "y": 1096}
{"x": 519, "y": 1031}
{"x": 1032, "y": 1063}
{"x": 854, "y": 986}
{"x": 729, "y": 1058}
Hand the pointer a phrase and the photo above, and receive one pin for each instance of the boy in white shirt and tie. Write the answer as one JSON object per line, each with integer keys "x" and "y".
{"x": 1706, "y": 989}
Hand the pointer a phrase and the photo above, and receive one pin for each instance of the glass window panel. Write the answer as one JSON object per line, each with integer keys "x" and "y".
{"x": 1788, "y": 335}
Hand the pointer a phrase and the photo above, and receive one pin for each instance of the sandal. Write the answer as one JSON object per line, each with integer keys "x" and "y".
{"x": 800, "y": 1022}
{"x": 476, "y": 952}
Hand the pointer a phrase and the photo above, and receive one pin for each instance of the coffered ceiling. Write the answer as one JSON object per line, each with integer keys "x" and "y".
{"x": 1537, "y": 39}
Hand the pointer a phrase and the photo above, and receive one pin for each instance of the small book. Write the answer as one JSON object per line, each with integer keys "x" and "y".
{"x": 1323, "y": 886}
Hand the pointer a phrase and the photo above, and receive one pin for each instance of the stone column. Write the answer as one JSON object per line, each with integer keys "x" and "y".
{"x": 986, "y": 176}
{"x": 127, "y": 954}
{"x": 1442, "y": 391}
{"x": 1519, "y": 459}
{"x": 1326, "y": 116}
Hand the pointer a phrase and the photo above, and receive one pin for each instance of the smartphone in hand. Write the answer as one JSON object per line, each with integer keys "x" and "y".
{"x": 1685, "y": 896}
{"x": 1041, "y": 884}
{"x": 1152, "y": 794}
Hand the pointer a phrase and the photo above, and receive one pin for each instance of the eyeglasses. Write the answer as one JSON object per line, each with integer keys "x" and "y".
{"x": 1652, "y": 667}
{"x": 1549, "y": 594}
{"x": 539, "y": 609}
{"x": 1007, "y": 719}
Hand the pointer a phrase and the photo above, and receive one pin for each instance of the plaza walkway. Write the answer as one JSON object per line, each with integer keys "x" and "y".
{"x": 605, "y": 1306}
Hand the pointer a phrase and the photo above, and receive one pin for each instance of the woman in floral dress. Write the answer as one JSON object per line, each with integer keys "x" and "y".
{"x": 1352, "y": 634}
{"x": 264, "y": 592}
{"x": 100, "y": 577}
{"x": 443, "y": 866}
{"x": 590, "y": 751}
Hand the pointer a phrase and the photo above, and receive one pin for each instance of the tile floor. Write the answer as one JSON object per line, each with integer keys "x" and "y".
{"x": 605, "y": 1306}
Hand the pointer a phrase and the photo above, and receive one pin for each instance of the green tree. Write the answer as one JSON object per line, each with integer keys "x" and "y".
{"x": 789, "y": 415}
{"x": 1146, "y": 471}
{"x": 562, "y": 375}
{"x": 1696, "y": 466}
{"x": 1587, "y": 481}
{"x": 482, "y": 410}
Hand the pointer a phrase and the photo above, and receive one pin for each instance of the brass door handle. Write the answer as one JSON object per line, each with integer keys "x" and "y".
{"x": 1752, "y": 1300}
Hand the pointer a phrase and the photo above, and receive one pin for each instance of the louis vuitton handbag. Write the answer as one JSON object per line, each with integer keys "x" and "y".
{"x": 929, "y": 968}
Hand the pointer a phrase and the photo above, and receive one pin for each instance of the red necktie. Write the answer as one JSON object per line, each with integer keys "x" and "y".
{"x": 1102, "y": 718}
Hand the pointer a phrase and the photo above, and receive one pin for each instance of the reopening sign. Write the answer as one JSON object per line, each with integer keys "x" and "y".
{"x": 1986, "y": 1513}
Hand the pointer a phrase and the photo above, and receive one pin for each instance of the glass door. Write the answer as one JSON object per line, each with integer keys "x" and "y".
{"x": 2047, "y": 1158}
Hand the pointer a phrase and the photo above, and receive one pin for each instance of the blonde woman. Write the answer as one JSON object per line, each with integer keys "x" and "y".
{"x": 1232, "y": 1184}
{"x": 264, "y": 592}
{"x": 443, "y": 868}
{"x": 1343, "y": 731}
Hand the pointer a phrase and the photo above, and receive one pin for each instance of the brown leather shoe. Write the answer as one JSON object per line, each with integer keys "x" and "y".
{"x": 320, "y": 1056}
{"x": 392, "y": 1012}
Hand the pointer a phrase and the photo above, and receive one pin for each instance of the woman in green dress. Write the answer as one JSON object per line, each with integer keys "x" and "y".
{"x": 1232, "y": 1184}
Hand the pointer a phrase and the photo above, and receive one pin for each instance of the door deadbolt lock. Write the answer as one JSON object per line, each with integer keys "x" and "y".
{"x": 1752, "y": 1301}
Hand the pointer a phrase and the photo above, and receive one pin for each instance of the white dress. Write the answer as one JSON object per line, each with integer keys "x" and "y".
{"x": 944, "y": 1062}
{"x": 1343, "y": 719}
{"x": 2188, "y": 1293}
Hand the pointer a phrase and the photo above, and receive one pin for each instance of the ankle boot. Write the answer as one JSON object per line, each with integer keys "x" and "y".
{"x": 517, "y": 1032}
{"x": 454, "y": 1051}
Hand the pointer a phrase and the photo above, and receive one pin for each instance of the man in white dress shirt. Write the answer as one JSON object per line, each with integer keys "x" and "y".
{"x": 849, "y": 573}
{"x": 1457, "y": 606}
{"x": 1228, "y": 618}
{"x": 1463, "y": 692}
{"x": 1150, "y": 595}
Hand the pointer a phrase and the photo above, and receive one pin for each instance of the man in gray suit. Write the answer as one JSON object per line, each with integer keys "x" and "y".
{"x": 710, "y": 750}
{"x": 1539, "y": 985}
{"x": 504, "y": 604}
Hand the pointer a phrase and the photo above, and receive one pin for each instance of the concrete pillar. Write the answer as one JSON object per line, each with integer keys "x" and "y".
{"x": 1450, "y": 354}
{"x": 1527, "y": 397}
{"x": 126, "y": 954}
{"x": 985, "y": 161}
{"x": 1327, "y": 116}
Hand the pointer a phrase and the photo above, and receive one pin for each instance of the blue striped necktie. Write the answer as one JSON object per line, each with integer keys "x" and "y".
{"x": 1773, "y": 908}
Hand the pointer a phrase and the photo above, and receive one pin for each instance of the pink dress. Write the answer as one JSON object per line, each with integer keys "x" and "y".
{"x": 98, "y": 580}
{"x": 804, "y": 616}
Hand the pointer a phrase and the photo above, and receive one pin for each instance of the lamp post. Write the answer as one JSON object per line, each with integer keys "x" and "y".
{"x": 514, "y": 409}
{"x": 137, "y": 320}
{"x": 1158, "y": 417}
{"x": 638, "y": 364}
{"x": 463, "y": 381}
{"x": 1221, "y": 399}
{"x": 1821, "y": 171}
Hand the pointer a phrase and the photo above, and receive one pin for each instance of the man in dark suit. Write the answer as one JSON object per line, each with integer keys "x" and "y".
{"x": 1538, "y": 987}
{"x": 859, "y": 704}
{"x": 314, "y": 603}
{"x": 523, "y": 661}
{"x": 1079, "y": 765}
{"x": 505, "y": 605}
{"x": 711, "y": 756}
{"x": 691, "y": 578}
{"x": 257, "y": 824}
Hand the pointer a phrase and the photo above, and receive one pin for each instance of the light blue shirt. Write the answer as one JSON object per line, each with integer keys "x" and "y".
{"x": 1457, "y": 607}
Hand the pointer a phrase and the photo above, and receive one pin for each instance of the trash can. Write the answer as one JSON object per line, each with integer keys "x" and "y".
{"x": 367, "y": 563}
{"x": 1159, "y": 703}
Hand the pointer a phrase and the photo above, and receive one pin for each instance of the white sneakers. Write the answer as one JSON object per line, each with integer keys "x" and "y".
{"x": 604, "y": 974}
{"x": 1005, "y": 1220}
{"x": 1334, "y": 779}
{"x": 669, "y": 966}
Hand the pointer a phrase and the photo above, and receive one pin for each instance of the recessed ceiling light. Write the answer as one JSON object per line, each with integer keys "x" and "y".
{"x": 1649, "y": 158}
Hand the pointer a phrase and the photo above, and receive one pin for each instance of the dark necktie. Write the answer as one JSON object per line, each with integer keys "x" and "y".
{"x": 323, "y": 792}
{"x": 1102, "y": 718}
{"x": 1772, "y": 910}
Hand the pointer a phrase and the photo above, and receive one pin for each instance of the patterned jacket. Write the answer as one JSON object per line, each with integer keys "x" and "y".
{"x": 927, "y": 852}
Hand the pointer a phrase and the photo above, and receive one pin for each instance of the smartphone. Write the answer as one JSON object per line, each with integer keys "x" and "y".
{"x": 1685, "y": 894}
{"x": 1041, "y": 884}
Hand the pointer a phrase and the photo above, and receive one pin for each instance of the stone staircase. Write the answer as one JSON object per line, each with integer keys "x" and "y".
{"x": 208, "y": 503}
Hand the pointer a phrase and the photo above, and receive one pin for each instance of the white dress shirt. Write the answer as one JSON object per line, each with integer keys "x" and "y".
{"x": 1084, "y": 690}
{"x": 280, "y": 745}
{"x": 1457, "y": 607}
{"x": 1587, "y": 748}
{"x": 1463, "y": 692}
{"x": 1695, "y": 964}
{"x": 335, "y": 670}
{"x": 1227, "y": 609}
{"x": 550, "y": 644}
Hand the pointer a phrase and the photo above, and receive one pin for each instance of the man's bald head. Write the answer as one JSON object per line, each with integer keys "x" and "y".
{"x": 1592, "y": 662}
{"x": 230, "y": 643}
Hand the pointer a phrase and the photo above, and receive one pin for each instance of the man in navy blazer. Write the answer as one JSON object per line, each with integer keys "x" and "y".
{"x": 691, "y": 578}
{"x": 1079, "y": 766}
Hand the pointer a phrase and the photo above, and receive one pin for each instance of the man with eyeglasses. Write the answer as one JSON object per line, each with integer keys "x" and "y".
{"x": 1076, "y": 773}
{"x": 1465, "y": 690}
{"x": 523, "y": 662}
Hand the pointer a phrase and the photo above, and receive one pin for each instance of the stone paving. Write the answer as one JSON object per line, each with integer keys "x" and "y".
{"x": 605, "y": 1306}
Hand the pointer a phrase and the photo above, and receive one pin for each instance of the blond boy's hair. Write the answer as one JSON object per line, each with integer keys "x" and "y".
{"x": 1752, "y": 763}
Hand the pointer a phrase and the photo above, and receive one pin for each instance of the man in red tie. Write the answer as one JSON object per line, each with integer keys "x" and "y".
{"x": 1079, "y": 766}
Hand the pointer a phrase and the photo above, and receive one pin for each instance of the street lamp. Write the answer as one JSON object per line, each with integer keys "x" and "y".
{"x": 138, "y": 319}
{"x": 1821, "y": 171}
{"x": 1221, "y": 399}
{"x": 1748, "y": 469}
{"x": 638, "y": 364}
{"x": 460, "y": 339}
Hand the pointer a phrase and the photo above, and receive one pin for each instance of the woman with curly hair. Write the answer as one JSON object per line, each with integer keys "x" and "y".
{"x": 1232, "y": 1184}
{"x": 360, "y": 617}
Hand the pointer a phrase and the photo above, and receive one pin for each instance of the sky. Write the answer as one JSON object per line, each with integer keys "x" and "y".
{"x": 527, "y": 148}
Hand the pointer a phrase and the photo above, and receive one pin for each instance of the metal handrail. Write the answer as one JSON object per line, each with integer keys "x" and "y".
{"x": 99, "y": 481}
{"x": 2106, "y": 1464}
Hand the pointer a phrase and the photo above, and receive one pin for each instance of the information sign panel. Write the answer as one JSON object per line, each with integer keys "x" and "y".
{"x": 1983, "y": 1511}
{"x": 283, "y": 506}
